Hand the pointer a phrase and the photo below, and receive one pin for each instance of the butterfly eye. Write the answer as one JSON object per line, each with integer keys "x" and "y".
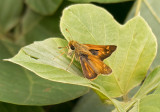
{"x": 72, "y": 47}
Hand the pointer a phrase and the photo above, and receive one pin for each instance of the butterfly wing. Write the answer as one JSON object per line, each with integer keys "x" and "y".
{"x": 88, "y": 72}
{"x": 101, "y": 51}
{"x": 92, "y": 66}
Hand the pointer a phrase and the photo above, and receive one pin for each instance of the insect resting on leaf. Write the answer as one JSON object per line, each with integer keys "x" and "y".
{"x": 91, "y": 57}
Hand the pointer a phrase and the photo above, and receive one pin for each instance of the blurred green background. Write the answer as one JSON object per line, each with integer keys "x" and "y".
{"x": 25, "y": 21}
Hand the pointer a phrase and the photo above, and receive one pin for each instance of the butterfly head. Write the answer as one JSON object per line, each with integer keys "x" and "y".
{"x": 72, "y": 47}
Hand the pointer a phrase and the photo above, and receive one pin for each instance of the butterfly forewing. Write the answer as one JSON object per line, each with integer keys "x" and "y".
{"x": 101, "y": 51}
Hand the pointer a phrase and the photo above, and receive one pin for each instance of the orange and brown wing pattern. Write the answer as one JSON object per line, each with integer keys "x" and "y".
{"x": 98, "y": 66}
{"x": 88, "y": 72}
{"x": 92, "y": 66}
{"x": 101, "y": 51}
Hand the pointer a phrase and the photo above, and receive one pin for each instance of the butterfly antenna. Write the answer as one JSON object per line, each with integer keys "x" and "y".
{"x": 69, "y": 34}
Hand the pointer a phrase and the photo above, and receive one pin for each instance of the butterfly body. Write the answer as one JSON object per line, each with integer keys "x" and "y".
{"x": 91, "y": 58}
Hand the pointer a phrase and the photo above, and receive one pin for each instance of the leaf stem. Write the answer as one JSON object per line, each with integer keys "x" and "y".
{"x": 138, "y": 7}
{"x": 102, "y": 90}
{"x": 130, "y": 105}
{"x": 125, "y": 97}
{"x": 152, "y": 11}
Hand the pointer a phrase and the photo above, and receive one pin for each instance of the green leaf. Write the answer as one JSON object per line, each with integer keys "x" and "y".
{"x": 136, "y": 44}
{"x": 136, "y": 49}
{"x": 150, "y": 12}
{"x": 4, "y": 107}
{"x": 100, "y": 1}
{"x": 36, "y": 27}
{"x": 150, "y": 104}
{"x": 92, "y": 104}
{"x": 135, "y": 107}
{"x": 44, "y": 59}
{"x": 20, "y": 86}
{"x": 54, "y": 70}
{"x": 10, "y": 11}
{"x": 46, "y": 7}
{"x": 150, "y": 83}
{"x": 157, "y": 91}
{"x": 29, "y": 18}
{"x": 30, "y": 22}
{"x": 44, "y": 28}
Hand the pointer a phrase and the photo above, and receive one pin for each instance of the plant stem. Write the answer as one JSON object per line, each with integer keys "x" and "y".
{"x": 152, "y": 11}
{"x": 138, "y": 7}
{"x": 125, "y": 98}
{"x": 102, "y": 91}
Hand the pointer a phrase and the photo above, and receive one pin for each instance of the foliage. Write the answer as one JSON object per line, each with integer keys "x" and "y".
{"x": 87, "y": 24}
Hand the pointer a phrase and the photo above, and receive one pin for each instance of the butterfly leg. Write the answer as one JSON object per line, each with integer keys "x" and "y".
{"x": 63, "y": 47}
{"x": 71, "y": 62}
{"x": 61, "y": 53}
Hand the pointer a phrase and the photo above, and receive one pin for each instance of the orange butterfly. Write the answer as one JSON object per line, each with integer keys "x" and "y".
{"x": 91, "y": 57}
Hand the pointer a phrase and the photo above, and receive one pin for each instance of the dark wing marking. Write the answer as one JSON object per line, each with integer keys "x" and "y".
{"x": 101, "y": 51}
{"x": 94, "y": 52}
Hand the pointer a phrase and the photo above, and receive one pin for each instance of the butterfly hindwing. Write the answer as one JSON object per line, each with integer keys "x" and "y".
{"x": 98, "y": 66}
{"x": 87, "y": 70}
{"x": 92, "y": 66}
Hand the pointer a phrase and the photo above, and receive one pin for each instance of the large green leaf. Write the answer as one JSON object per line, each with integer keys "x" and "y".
{"x": 20, "y": 86}
{"x": 136, "y": 49}
{"x": 10, "y": 11}
{"x": 100, "y": 1}
{"x": 136, "y": 45}
{"x": 54, "y": 70}
{"x": 44, "y": 59}
{"x": 46, "y": 7}
{"x": 37, "y": 27}
{"x": 149, "y": 103}
{"x": 4, "y": 107}
{"x": 150, "y": 12}
{"x": 151, "y": 82}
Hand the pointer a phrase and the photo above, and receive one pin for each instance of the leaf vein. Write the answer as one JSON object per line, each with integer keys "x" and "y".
{"x": 84, "y": 26}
